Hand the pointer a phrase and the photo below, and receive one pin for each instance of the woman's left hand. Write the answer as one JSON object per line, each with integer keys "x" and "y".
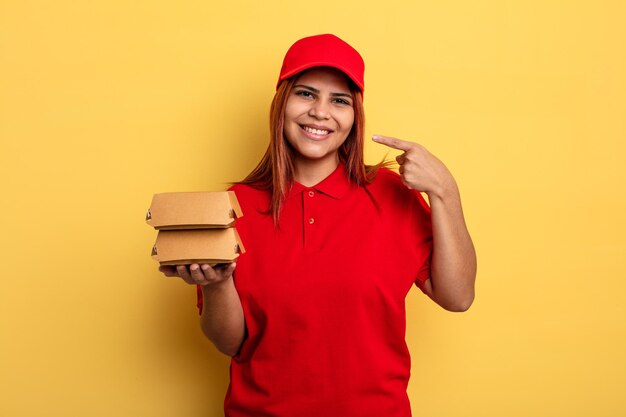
{"x": 419, "y": 169}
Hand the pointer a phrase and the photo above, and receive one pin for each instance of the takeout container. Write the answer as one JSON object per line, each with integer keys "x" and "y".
{"x": 207, "y": 246}
{"x": 196, "y": 210}
{"x": 196, "y": 227}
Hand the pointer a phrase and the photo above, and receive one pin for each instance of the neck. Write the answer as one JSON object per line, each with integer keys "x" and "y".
{"x": 311, "y": 172}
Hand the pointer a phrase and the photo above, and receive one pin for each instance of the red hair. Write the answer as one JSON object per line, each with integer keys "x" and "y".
{"x": 275, "y": 171}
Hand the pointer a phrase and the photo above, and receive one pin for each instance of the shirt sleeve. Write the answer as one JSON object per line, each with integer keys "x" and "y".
{"x": 411, "y": 217}
{"x": 407, "y": 215}
{"x": 421, "y": 238}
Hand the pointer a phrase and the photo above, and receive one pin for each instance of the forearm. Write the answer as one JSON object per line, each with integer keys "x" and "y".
{"x": 453, "y": 265}
{"x": 222, "y": 318}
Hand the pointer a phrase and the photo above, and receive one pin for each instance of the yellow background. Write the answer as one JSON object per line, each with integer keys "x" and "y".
{"x": 103, "y": 103}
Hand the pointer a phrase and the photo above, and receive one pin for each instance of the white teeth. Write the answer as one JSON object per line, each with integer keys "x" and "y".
{"x": 315, "y": 131}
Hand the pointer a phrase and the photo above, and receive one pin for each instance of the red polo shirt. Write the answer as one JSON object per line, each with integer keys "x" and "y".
{"x": 323, "y": 297}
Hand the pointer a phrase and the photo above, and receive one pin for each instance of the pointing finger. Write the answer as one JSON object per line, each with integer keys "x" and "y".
{"x": 393, "y": 142}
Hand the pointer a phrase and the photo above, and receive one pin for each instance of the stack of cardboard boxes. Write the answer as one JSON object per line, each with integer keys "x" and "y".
{"x": 195, "y": 228}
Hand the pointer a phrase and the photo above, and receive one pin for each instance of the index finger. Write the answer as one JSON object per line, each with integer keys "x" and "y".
{"x": 393, "y": 142}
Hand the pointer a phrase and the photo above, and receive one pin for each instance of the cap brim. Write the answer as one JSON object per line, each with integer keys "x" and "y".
{"x": 310, "y": 65}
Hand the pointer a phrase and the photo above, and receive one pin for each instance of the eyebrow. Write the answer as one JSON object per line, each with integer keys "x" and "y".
{"x": 316, "y": 91}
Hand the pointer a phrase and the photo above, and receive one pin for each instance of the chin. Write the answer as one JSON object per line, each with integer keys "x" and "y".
{"x": 314, "y": 154}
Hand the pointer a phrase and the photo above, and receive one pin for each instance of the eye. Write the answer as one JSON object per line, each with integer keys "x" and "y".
{"x": 342, "y": 102}
{"x": 304, "y": 93}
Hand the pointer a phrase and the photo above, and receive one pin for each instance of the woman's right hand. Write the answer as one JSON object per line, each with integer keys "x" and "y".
{"x": 202, "y": 275}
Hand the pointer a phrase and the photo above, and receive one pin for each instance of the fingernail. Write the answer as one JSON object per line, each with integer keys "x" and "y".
{"x": 204, "y": 267}
{"x": 193, "y": 267}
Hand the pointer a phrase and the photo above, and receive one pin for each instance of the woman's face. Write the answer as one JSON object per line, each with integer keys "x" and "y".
{"x": 319, "y": 114}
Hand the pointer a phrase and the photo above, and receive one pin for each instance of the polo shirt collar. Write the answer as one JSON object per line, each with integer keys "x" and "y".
{"x": 336, "y": 185}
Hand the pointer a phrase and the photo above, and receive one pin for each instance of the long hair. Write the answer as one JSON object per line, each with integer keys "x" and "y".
{"x": 275, "y": 171}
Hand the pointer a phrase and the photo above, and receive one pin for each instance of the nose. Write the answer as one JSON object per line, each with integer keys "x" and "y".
{"x": 320, "y": 110}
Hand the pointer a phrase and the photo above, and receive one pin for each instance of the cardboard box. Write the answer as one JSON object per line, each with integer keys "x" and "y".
{"x": 198, "y": 210}
{"x": 184, "y": 247}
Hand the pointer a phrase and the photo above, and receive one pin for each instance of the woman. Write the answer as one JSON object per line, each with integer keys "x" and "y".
{"x": 314, "y": 316}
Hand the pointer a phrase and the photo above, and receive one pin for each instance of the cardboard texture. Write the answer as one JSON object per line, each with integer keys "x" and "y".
{"x": 196, "y": 210}
{"x": 210, "y": 246}
{"x": 195, "y": 227}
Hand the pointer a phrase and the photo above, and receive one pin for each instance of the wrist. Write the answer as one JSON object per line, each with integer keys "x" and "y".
{"x": 217, "y": 286}
{"x": 446, "y": 190}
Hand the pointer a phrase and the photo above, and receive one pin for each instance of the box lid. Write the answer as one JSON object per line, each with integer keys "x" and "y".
{"x": 182, "y": 247}
{"x": 194, "y": 210}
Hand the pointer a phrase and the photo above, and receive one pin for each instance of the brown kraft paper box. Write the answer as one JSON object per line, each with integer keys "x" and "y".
{"x": 208, "y": 246}
{"x": 195, "y": 210}
{"x": 195, "y": 227}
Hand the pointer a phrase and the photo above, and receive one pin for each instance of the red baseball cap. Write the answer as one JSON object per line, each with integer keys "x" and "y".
{"x": 323, "y": 51}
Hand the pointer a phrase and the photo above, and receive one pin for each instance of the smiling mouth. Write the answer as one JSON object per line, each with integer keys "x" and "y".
{"x": 314, "y": 131}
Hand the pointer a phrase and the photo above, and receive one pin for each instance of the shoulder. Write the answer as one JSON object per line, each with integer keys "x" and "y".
{"x": 385, "y": 176}
{"x": 388, "y": 188}
{"x": 388, "y": 183}
{"x": 244, "y": 189}
{"x": 251, "y": 197}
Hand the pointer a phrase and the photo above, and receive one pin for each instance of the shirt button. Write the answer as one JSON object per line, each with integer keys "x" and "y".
{"x": 311, "y": 193}
{"x": 311, "y": 220}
